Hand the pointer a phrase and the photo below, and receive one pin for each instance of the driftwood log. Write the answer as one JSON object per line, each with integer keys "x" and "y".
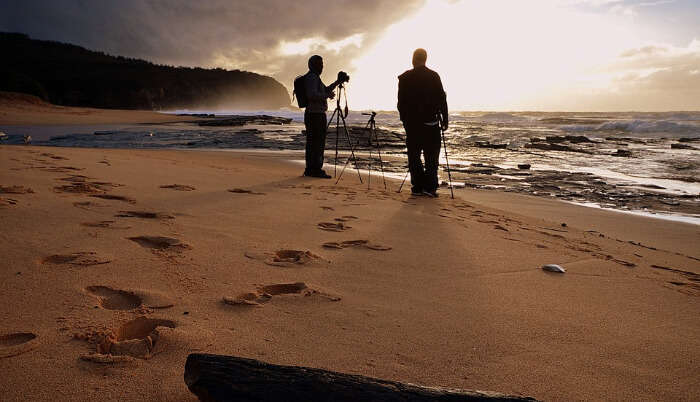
{"x": 229, "y": 378}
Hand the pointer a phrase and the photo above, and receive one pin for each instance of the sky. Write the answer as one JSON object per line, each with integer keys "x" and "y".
{"x": 549, "y": 55}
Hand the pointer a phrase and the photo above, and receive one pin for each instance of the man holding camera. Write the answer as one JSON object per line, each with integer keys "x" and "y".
{"x": 423, "y": 110}
{"x": 315, "y": 115}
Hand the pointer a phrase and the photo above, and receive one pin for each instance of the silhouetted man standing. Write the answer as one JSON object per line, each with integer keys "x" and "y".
{"x": 315, "y": 117}
{"x": 422, "y": 108}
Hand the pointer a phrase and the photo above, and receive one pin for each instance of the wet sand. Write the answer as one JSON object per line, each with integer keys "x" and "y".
{"x": 116, "y": 264}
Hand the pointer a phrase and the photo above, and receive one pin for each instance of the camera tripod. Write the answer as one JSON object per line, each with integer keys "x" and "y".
{"x": 341, "y": 115}
{"x": 371, "y": 126}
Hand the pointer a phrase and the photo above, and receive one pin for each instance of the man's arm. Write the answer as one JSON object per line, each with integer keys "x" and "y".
{"x": 402, "y": 98}
{"x": 331, "y": 87}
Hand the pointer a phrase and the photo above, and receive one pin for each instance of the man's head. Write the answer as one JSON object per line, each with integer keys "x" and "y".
{"x": 419, "y": 57}
{"x": 316, "y": 64}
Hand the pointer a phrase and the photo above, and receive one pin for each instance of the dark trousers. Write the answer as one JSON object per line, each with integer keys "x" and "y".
{"x": 425, "y": 139}
{"x": 316, "y": 125}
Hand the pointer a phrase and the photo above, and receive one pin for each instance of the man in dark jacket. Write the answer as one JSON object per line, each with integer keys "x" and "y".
{"x": 317, "y": 95}
{"x": 423, "y": 109}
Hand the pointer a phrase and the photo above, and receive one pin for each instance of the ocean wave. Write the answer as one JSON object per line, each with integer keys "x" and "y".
{"x": 638, "y": 126}
{"x": 693, "y": 116}
{"x": 499, "y": 117}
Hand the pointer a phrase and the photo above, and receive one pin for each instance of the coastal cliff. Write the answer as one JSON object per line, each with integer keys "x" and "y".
{"x": 69, "y": 75}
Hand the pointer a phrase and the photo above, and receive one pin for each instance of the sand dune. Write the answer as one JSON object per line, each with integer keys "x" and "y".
{"x": 104, "y": 298}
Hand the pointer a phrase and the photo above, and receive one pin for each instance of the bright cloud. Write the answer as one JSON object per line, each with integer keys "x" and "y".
{"x": 529, "y": 55}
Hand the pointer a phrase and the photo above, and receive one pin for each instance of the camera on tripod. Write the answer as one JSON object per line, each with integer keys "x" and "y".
{"x": 343, "y": 77}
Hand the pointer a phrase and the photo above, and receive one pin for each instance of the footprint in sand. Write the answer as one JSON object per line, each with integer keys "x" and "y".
{"x": 114, "y": 299}
{"x": 81, "y": 258}
{"x": 333, "y": 227}
{"x": 265, "y": 293}
{"x": 143, "y": 215}
{"x": 346, "y": 218}
{"x": 88, "y": 205}
{"x": 62, "y": 169}
{"x": 15, "y": 190}
{"x": 138, "y": 338}
{"x": 7, "y": 201}
{"x": 284, "y": 258}
{"x": 56, "y": 157}
{"x": 104, "y": 224}
{"x": 615, "y": 260}
{"x": 79, "y": 188}
{"x": 326, "y": 208}
{"x": 356, "y": 243}
{"x": 160, "y": 243}
{"x": 114, "y": 197}
{"x": 118, "y": 299}
{"x": 16, "y": 343}
{"x": 178, "y": 187}
{"x": 76, "y": 178}
{"x": 244, "y": 191}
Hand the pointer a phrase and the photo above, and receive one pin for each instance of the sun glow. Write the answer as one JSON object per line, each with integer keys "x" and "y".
{"x": 495, "y": 55}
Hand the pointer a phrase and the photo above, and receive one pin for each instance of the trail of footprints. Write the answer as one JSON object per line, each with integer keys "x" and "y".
{"x": 142, "y": 337}
{"x": 137, "y": 338}
{"x": 287, "y": 258}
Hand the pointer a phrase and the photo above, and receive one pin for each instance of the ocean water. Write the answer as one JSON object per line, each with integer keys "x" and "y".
{"x": 642, "y": 162}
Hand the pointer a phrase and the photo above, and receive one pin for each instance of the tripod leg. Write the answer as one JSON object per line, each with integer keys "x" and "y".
{"x": 369, "y": 164}
{"x": 342, "y": 170}
{"x": 352, "y": 150}
{"x": 379, "y": 151}
{"x": 369, "y": 168}
{"x": 330, "y": 120}
{"x": 352, "y": 153}
{"x": 403, "y": 181}
{"x": 336, "y": 141}
{"x": 337, "y": 135}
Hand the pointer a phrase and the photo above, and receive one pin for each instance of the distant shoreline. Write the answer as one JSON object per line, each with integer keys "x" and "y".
{"x": 20, "y": 109}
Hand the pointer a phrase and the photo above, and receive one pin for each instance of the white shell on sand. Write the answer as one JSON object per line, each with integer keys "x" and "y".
{"x": 553, "y": 268}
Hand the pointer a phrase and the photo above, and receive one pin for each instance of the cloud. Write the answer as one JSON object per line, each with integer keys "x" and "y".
{"x": 622, "y": 8}
{"x": 648, "y": 78}
{"x": 214, "y": 33}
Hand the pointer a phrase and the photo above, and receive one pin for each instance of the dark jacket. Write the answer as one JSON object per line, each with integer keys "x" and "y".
{"x": 421, "y": 96}
{"x": 317, "y": 93}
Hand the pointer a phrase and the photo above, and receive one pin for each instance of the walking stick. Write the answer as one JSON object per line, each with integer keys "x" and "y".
{"x": 447, "y": 161}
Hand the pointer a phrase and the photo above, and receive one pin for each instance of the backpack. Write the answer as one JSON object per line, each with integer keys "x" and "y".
{"x": 300, "y": 91}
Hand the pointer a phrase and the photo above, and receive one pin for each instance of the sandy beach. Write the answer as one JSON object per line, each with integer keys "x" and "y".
{"x": 22, "y": 109}
{"x": 235, "y": 253}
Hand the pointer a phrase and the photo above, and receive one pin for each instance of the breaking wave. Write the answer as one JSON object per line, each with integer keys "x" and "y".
{"x": 639, "y": 126}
